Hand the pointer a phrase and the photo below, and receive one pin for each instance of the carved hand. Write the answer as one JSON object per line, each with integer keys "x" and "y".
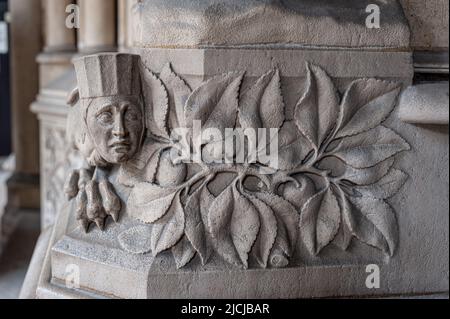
{"x": 95, "y": 197}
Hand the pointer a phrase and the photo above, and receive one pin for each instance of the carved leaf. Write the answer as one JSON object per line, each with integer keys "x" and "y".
{"x": 156, "y": 103}
{"x": 293, "y": 147}
{"x": 136, "y": 240}
{"x": 183, "y": 253}
{"x": 366, "y": 104}
{"x": 267, "y": 234}
{"x": 262, "y": 105}
{"x": 215, "y": 103}
{"x": 385, "y": 188}
{"x": 169, "y": 174}
{"x": 245, "y": 226}
{"x": 143, "y": 166}
{"x": 373, "y": 222}
{"x": 344, "y": 236}
{"x": 370, "y": 148}
{"x": 219, "y": 220}
{"x": 287, "y": 221}
{"x": 320, "y": 220}
{"x": 168, "y": 231}
{"x": 298, "y": 196}
{"x": 234, "y": 224}
{"x": 367, "y": 176}
{"x": 317, "y": 111}
{"x": 179, "y": 92}
{"x": 196, "y": 214}
{"x": 149, "y": 202}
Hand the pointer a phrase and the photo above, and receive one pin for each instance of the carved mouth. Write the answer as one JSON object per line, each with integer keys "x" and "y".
{"x": 121, "y": 146}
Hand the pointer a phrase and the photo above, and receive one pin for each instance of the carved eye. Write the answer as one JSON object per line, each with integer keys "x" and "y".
{"x": 131, "y": 116}
{"x": 105, "y": 118}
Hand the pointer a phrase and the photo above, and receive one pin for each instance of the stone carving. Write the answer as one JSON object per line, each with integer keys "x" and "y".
{"x": 330, "y": 184}
{"x": 55, "y": 163}
{"x": 106, "y": 124}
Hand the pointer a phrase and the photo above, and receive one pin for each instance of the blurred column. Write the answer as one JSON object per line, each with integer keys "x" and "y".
{"x": 125, "y": 23}
{"x": 58, "y": 37}
{"x": 98, "y": 26}
{"x": 60, "y": 42}
{"x": 26, "y": 43}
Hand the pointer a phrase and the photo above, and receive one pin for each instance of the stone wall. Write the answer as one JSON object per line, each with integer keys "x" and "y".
{"x": 429, "y": 23}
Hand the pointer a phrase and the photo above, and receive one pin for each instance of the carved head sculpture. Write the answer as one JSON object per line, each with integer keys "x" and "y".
{"x": 110, "y": 109}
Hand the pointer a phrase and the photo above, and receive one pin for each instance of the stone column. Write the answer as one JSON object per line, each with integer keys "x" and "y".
{"x": 97, "y": 26}
{"x": 59, "y": 41}
{"x": 58, "y": 38}
{"x": 25, "y": 29}
{"x": 125, "y": 23}
{"x": 122, "y": 26}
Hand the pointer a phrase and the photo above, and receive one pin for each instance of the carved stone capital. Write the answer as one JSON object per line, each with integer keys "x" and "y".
{"x": 327, "y": 179}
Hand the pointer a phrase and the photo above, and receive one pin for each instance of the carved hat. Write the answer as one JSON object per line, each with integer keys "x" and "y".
{"x": 108, "y": 74}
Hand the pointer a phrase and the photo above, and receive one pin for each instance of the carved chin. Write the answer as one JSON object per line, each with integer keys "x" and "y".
{"x": 121, "y": 157}
{"x": 118, "y": 156}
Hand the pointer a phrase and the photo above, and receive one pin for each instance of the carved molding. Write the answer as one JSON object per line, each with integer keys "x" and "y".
{"x": 331, "y": 184}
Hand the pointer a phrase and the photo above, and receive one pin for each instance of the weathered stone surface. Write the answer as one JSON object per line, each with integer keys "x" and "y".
{"x": 425, "y": 104}
{"x": 429, "y": 23}
{"x": 267, "y": 22}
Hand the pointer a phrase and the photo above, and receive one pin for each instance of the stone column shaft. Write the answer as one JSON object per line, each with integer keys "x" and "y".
{"x": 125, "y": 27}
{"x": 98, "y": 27}
{"x": 58, "y": 38}
{"x": 26, "y": 43}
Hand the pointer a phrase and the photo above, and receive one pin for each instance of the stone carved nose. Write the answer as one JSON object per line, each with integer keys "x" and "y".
{"x": 119, "y": 129}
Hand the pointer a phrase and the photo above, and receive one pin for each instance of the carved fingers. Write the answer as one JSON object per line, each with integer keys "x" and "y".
{"x": 71, "y": 185}
{"x": 111, "y": 202}
{"x": 95, "y": 197}
{"x": 76, "y": 187}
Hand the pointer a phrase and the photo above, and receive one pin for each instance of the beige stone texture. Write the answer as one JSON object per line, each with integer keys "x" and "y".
{"x": 57, "y": 36}
{"x": 429, "y": 23}
{"x": 97, "y": 30}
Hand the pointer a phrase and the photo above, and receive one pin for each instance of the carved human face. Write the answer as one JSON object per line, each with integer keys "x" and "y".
{"x": 116, "y": 127}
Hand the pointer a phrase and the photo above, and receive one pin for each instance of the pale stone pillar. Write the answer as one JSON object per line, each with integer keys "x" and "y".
{"x": 98, "y": 26}
{"x": 26, "y": 43}
{"x": 122, "y": 25}
{"x": 58, "y": 38}
{"x": 60, "y": 41}
{"x": 125, "y": 23}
